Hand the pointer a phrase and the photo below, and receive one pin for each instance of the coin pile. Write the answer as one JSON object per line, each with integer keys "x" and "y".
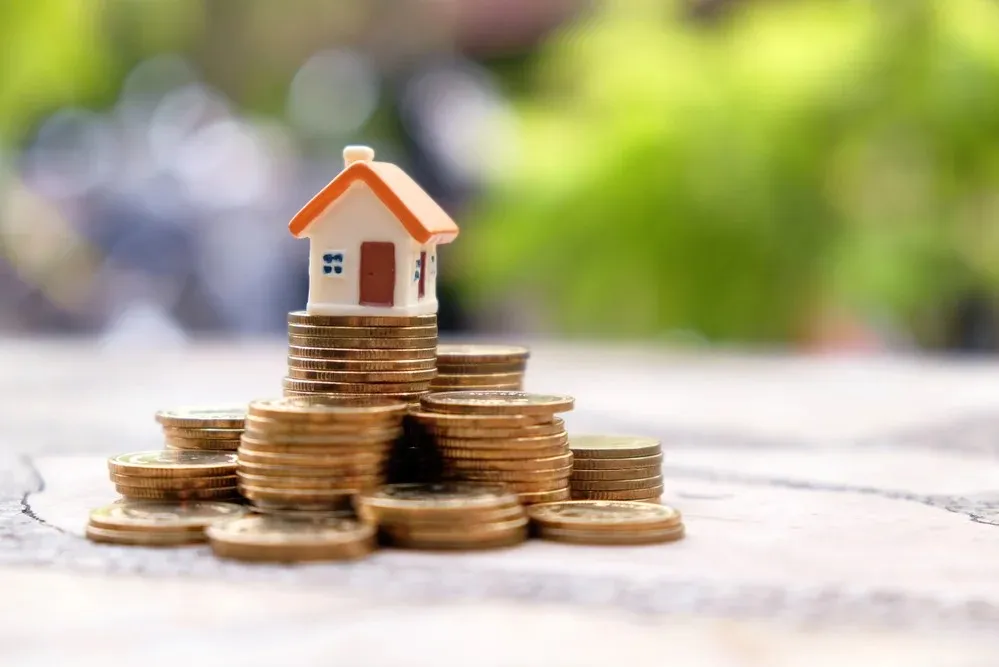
{"x": 276, "y": 539}
{"x": 606, "y": 522}
{"x": 449, "y": 515}
{"x": 480, "y": 367}
{"x": 385, "y": 356}
{"x": 507, "y": 437}
{"x": 614, "y": 467}
{"x": 314, "y": 453}
{"x": 163, "y": 524}
{"x": 174, "y": 475}
{"x": 203, "y": 428}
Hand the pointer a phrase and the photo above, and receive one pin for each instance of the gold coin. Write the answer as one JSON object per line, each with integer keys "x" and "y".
{"x": 496, "y": 402}
{"x": 538, "y": 486}
{"x": 448, "y": 420}
{"x": 618, "y": 464}
{"x": 481, "y": 354}
{"x": 613, "y": 446}
{"x": 311, "y": 483}
{"x": 354, "y": 377}
{"x": 225, "y": 416}
{"x": 479, "y": 380}
{"x": 548, "y": 464}
{"x": 445, "y": 366}
{"x": 446, "y": 431}
{"x": 541, "y": 441}
{"x": 507, "y": 535}
{"x": 138, "y": 538}
{"x": 340, "y": 470}
{"x": 466, "y": 531}
{"x": 443, "y": 497}
{"x": 605, "y": 515}
{"x": 635, "y": 494}
{"x": 304, "y": 513}
{"x": 163, "y": 516}
{"x": 202, "y": 445}
{"x": 303, "y": 317}
{"x": 290, "y": 441}
{"x": 282, "y": 459}
{"x": 174, "y": 464}
{"x": 302, "y": 496}
{"x": 357, "y": 354}
{"x": 483, "y": 453}
{"x": 618, "y": 484}
{"x": 167, "y": 483}
{"x": 451, "y": 522}
{"x": 601, "y": 537}
{"x": 145, "y": 493}
{"x": 258, "y": 426}
{"x": 281, "y": 539}
{"x": 422, "y": 342}
{"x": 361, "y": 365}
{"x": 333, "y": 332}
{"x": 544, "y": 496}
{"x": 608, "y": 475}
{"x": 203, "y": 433}
{"x": 411, "y": 398}
{"x": 328, "y": 409}
{"x": 442, "y": 386}
{"x": 347, "y": 388}
{"x": 486, "y": 475}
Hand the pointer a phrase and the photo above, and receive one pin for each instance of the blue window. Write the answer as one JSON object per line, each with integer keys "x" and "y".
{"x": 333, "y": 263}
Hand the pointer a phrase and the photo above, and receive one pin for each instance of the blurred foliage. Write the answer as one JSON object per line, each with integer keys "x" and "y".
{"x": 738, "y": 178}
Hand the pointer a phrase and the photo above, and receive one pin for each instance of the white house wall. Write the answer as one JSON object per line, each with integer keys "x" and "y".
{"x": 356, "y": 217}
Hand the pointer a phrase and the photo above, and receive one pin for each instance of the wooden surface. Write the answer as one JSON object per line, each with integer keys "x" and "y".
{"x": 840, "y": 511}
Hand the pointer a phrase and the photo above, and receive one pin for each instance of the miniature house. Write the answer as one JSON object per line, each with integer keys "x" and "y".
{"x": 373, "y": 236}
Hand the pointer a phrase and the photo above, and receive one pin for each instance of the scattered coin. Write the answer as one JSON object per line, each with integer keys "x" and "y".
{"x": 203, "y": 417}
{"x": 613, "y": 446}
{"x": 163, "y": 516}
{"x": 136, "y": 538}
{"x": 608, "y": 515}
{"x": 599, "y": 537}
{"x": 496, "y": 402}
{"x": 173, "y": 464}
{"x": 283, "y": 539}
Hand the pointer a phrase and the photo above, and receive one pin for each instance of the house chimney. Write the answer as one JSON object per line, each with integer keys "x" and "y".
{"x": 352, "y": 154}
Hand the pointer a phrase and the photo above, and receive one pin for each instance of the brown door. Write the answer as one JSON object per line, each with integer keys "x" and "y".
{"x": 423, "y": 274}
{"x": 377, "y": 274}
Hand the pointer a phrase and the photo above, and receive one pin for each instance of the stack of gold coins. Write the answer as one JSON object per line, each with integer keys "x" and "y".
{"x": 174, "y": 475}
{"x": 606, "y": 522}
{"x": 211, "y": 428}
{"x": 275, "y": 539}
{"x": 313, "y": 454}
{"x": 510, "y": 437}
{"x": 385, "y": 356}
{"x": 480, "y": 367}
{"x": 150, "y": 523}
{"x": 615, "y": 467}
{"x": 450, "y": 515}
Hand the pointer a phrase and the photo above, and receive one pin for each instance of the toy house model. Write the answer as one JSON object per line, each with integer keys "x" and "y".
{"x": 373, "y": 235}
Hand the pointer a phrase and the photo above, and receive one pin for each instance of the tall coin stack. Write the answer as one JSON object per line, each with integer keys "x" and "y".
{"x": 385, "y": 356}
{"x": 174, "y": 475}
{"x": 510, "y": 437}
{"x": 208, "y": 428}
{"x": 301, "y": 455}
{"x": 480, "y": 367}
{"x": 615, "y": 467}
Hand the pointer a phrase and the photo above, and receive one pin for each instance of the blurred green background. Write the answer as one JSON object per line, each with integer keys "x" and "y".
{"x": 817, "y": 174}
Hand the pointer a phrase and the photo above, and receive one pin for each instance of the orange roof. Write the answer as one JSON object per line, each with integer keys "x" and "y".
{"x": 416, "y": 210}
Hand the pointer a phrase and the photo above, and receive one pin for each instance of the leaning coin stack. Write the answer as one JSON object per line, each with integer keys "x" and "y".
{"x": 606, "y": 522}
{"x": 480, "y": 367}
{"x": 161, "y": 524}
{"x": 614, "y": 467}
{"x": 510, "y": 437}
{"x": 449, "y": 515}
{"x": 311, "y": 454}
{"x": 174, "y": 475}
{"x": 385, "y": 356}
{"x": 276, "y": 539}
{"x": 217, "y": 428}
